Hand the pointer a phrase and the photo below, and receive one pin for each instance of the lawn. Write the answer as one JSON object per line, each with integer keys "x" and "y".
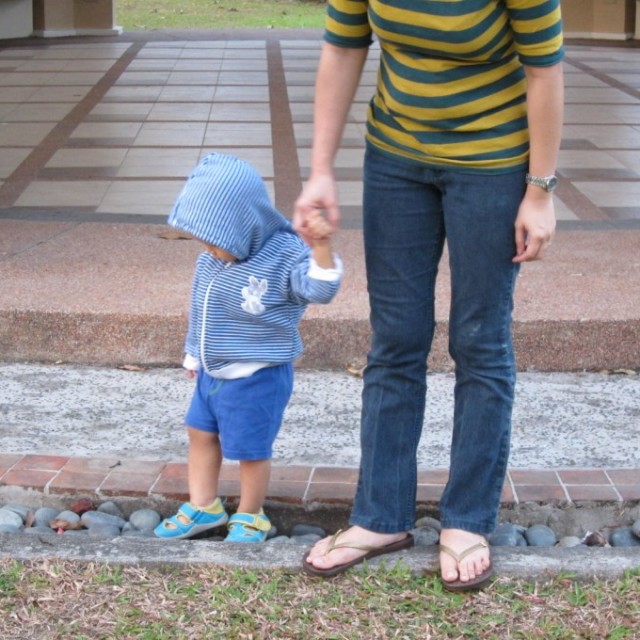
{"x": 58, "y": 600}
{"x": 141, "y": 15}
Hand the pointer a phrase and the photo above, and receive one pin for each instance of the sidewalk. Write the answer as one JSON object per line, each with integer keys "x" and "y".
{"x": 96, "y": 138}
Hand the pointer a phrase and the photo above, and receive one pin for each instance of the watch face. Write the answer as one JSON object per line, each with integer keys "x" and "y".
{"x": 552, "y": 183}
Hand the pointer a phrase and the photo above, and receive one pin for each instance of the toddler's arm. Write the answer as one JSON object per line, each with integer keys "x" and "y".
{"x": 319, "y": 238}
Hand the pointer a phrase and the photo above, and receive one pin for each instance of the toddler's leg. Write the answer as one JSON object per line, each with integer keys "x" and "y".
{"x": 205, "y": 511}
{"x": 249, "y": 523}
{"x": 254, "y": 480}
{"x": 205, "y": 461}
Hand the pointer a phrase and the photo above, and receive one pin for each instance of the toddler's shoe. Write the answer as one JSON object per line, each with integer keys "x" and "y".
{"x": 190, "y": 521}
{"x": 248, "y": 527}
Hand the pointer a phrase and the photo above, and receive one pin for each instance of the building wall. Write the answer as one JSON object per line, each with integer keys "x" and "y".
{"x": 609, "y": 19}
{"x": 614, "y": 19}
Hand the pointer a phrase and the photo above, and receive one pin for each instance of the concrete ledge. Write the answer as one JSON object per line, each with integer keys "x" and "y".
{"x": 330, "y": 343}
{"x": 535, "y": 564}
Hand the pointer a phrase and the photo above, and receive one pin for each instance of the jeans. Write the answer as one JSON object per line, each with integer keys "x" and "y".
{"x": 409, "y": 210}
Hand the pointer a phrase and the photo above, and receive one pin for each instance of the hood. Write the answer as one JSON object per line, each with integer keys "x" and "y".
{"x": 225, "y": 203}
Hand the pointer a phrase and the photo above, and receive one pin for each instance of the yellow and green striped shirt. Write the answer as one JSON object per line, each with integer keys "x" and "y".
{"x": 451, "y": 88}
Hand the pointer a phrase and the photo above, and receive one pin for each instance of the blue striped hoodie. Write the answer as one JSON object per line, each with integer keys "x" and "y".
{"x": 246, "y": 311}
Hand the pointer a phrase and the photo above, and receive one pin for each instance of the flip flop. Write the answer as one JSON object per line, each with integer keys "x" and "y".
{"x": 371, "y": 552}
{"x": 476, "y": 583}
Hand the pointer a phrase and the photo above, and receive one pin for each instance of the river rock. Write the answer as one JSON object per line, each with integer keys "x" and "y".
{"x": 21, "y": 509}
{"x": 94, "y": 518}
{"x": 569, "y": 541}
{"x": 428, "y": 521}
{"x": 9, "y": 517}
{"x": 104, "y": 529}
{"x": 301, "y": 529}
{"x": 44, "y": 515}
{"x": 111, "y": 508}
{"x": 39, "y": 530}
{"x": 539, "y": 535}
{"x": 635, "y": 527}
{"x": 505, "y": 535}
{"x": 624, "y": 537}
{"x": 9, "y": 528}
{"x": 425, "y": 536}
{"x": 69, "y": 516}
{"x": 145, "y": 519}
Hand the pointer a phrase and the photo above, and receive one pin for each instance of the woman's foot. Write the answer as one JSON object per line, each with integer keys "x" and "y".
{"x": 465, "y": 560}
{"x": 337, "y": 553}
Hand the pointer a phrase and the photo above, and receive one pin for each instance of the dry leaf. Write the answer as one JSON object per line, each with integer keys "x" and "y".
{"x": 355, "y": 370}
{"x": 65, "y": 525}
{"x": 132, "y": 367}
{"x": 174, "y": 234}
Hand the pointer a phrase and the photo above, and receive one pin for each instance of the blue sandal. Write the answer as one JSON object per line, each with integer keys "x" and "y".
{"x": 195, "y": 521}
{"x": 248, "y": 527}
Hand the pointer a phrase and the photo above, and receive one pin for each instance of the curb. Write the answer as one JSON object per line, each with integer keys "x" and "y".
{"x": 532, "y": 564}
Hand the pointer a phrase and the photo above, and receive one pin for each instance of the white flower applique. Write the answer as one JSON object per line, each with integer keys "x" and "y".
{"x": 253, "y": 295}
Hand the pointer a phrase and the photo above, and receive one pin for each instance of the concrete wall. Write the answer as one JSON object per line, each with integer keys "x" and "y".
{"x": 16, "y": 18}
{"x": 52, "y": 18}
{"x": 608, "y": 19}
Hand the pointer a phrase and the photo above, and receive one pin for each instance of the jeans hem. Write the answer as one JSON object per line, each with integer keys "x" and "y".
{"x": 466, "y": 525}
{"x": 377, "y": 526}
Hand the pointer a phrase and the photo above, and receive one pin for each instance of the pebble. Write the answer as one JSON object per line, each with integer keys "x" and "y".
{"x": 68, "y": 516}
{"x": 428, "y": 521}
{"x": 624, "y": 537}
{"x": 111, "y": 508}
{"x": 425, "y": 536}
{"x": 505, "y": 535}
{"x": 10, "y": 518}
{"x": 569, "y": 541}
{"x": 108, "y": 520}
{"x": 20, "y": 509}
{"x": 104, "y": 529}
{"x": 39, "y": 530}
{"x": 95, "y": 518}
{"x": 144, "y": 519}
{"x": 539, "y": 535}
{"x": 9, "y": 528}
{"x": 299, "y": 530}
{"x": 44, "y": 515}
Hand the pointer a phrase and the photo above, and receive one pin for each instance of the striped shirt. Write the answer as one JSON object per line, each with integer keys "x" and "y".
{"x": 245, "y": 312}
{"x": 451, "y": 87}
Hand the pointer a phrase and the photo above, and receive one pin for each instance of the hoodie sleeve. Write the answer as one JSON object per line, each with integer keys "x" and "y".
{"x": 313, "y": 284}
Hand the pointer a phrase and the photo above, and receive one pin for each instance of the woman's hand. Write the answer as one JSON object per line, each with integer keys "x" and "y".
{"x": 318, "y": 194}
{"x": 535, "y": 227}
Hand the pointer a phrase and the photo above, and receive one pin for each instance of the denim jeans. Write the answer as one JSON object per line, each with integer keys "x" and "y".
{"x": 409, "y": 210}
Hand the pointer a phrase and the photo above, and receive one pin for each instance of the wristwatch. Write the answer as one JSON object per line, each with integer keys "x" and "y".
{"x": 548, "y": 183}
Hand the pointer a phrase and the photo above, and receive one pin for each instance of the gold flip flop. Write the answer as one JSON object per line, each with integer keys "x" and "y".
{"x": 476, "y": 583}
{"x": 371, "y": 552}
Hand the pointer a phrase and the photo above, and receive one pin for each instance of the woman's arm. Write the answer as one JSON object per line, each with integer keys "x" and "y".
{"x": 535, "y": 224}
{"x": 338, "y": 76}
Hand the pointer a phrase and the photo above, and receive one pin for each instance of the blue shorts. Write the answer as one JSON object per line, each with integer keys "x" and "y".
{"x": 246, "y": 413}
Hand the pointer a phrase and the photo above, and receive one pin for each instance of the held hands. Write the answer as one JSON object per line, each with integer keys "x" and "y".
{"x": 534, "y": 228}
{"x": 319, "y": 194}
{"x": 318, "y": 228}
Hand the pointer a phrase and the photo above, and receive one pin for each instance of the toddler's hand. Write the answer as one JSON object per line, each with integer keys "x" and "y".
{"x": 191, "y": 374}
{"x": 318, "y": 226}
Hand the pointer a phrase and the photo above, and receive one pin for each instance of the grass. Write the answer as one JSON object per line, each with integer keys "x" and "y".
{"x": 62, "y": 599}
{"x": 141, "y": 15}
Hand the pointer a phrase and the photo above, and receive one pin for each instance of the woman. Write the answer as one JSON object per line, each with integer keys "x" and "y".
{"x": 463, "y": 135}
